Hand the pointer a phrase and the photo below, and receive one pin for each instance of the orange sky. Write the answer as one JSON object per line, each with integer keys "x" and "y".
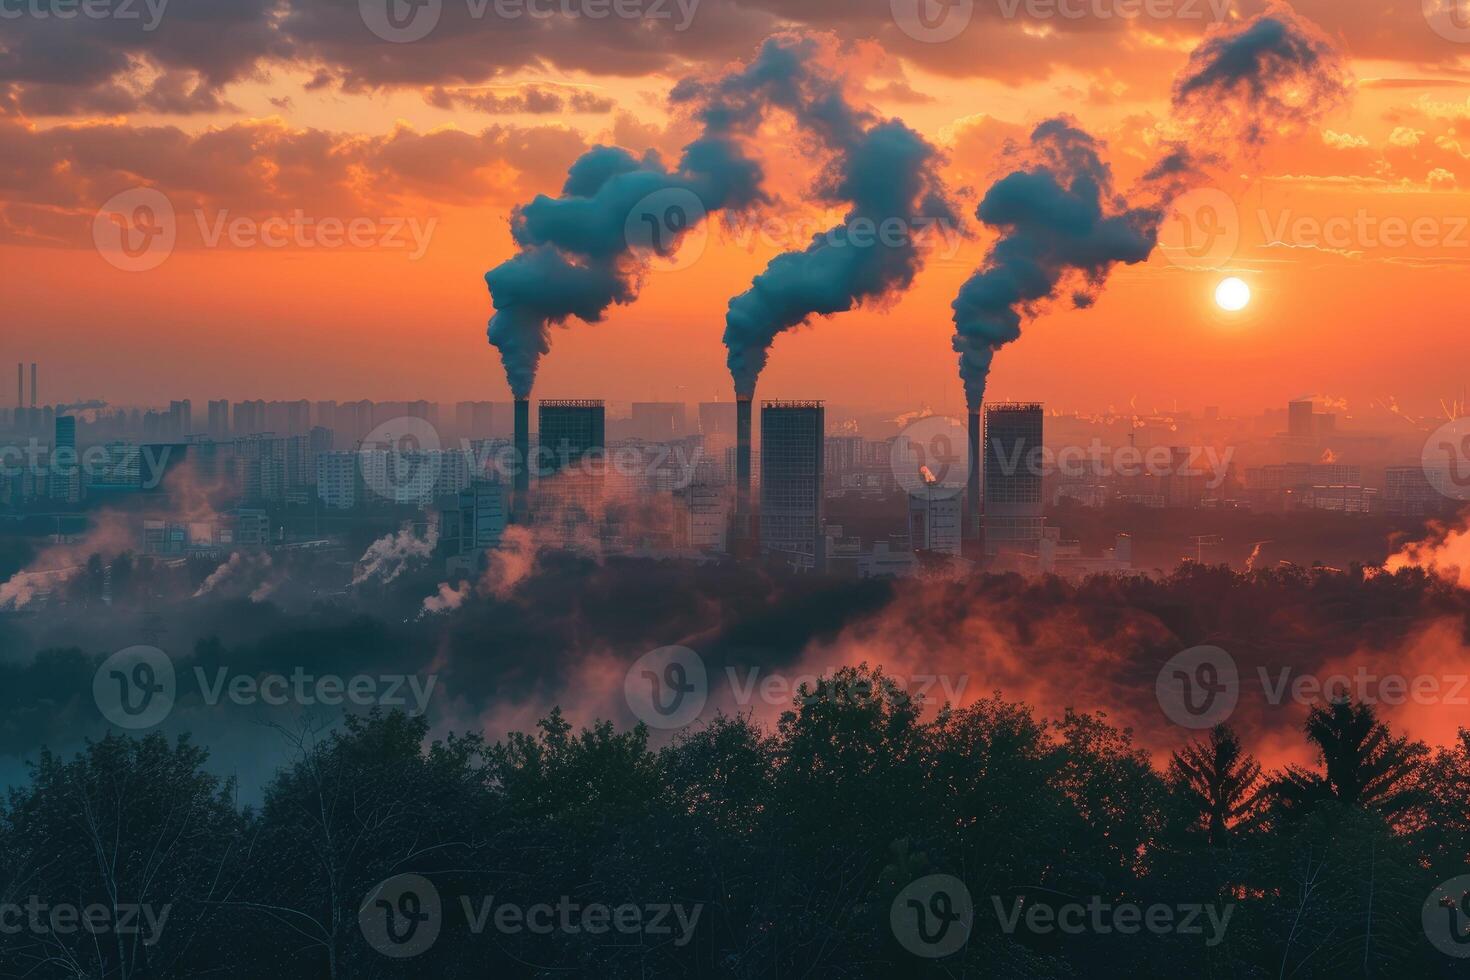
{"x": 1352, "y": 236}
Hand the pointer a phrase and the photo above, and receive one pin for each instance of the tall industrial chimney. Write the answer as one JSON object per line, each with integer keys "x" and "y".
{"x": 33, "y": 384}
{"x": 743, "y": 408}
{"x": 972, "y": 488}
{"x": 20, "y": 385}
{"x": 523, "y": 457}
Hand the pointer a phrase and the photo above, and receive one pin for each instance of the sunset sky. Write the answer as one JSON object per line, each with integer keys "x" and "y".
{"x": 1353, "y": 236}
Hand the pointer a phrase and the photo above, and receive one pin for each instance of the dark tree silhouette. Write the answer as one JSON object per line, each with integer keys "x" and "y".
{"x": 1221, "y": 781}
{"x": 1365, "y": 766}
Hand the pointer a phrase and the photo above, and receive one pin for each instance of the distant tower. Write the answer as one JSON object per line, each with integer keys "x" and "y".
{"x": 20, "y": 385}
{"x": 972, "y": 483}
{"x": 522, "y": 481}
{"x": 33, "y": 384}
{"x": 793, "y": 437}
{"x": 743, "y": 525}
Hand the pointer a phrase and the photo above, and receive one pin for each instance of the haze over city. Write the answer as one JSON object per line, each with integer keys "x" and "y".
{"x": 694, "y": 488}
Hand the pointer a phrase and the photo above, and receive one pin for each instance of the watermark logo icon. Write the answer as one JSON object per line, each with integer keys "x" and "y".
{"x": 135, "y": 688}
{"x": 931, "y": 457}
{"x": 136, "y": 230}
{"x": 401, "y": 917}
{"x": 1446, "y": 459}
{"x": 401, "y": 21}
{"x": 932, "y": 21}
{"x": 400, "y": 460}
{"x": 1450, "y": 19}
{"x": 668, "y": 228}
{"x": 667, "y": 687}
{"x": 1446, "y": 917}
{"x": 932, "y": 917}
{"x": 1203, "y": 230}
{"x": 1198, "y": 688}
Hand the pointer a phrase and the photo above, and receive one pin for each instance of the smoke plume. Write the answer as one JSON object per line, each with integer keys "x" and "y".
{"x": 1445, "y": 553}
{"x": 884, "y": 171}
{"x": 1273, "y": 75}
{"x": 1061, "y": 225}
{"x": 576, "y": 259}
{"x": 391, "y": 555}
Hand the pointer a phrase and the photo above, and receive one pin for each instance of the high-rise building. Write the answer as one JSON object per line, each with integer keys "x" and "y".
{"x": 569, "y": 431}
{"x": 473, "y": 420}
{"x": 219, "y": 418}
{"x": 1012, "y": 518}
{"x": 474, "y": 522}
{"x": 180, "y": 418}
{"x": 934, "y": 520}
{"x": 1299, "y": 421}
{"x": 717, "y": 419}
{"x": 569, "y": 458}
{"x": 658, "y": 421}
{"x": 792, "y": 458}
{"x": 65, "y": 480}
{"x": 337, "y": 479}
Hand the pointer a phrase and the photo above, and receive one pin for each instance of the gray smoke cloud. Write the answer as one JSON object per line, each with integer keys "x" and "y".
{"x": 1274, "y": 75}
{"x": 885, "y": 171}
{"x": 576, "y": 259}
{"x": 1063, "y": 228}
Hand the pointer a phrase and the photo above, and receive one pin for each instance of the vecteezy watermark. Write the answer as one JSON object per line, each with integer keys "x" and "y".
{"x": 932, "y": 21}
{"x": 45, "y": 920}
{"x": 1450, "y": 19}
{"x": 1363, "y": 230}
{"x": 930, "y": 458}
{"x": 667, "y": 687}
{"x": 140, "y": 466}
{"x": 936, "y": 21}
{"x": 1446, "y": 459}
{"x": 1098, "y": 916}
{"x": 137, "y": 688}
{"x": 400, "y": 459}
{"x": 1209, "y": 463}
{"x": 1198, "y": 688}
{"x": 672, "y": 229}
{"x": 138, "y": 229}
{"x": 1364, "y": 686}
{"x": 403, "y": 916}
{"x": 1446, "y": 917}
{"x": 1202, "y": 231}
{"x": 149, "y": 12}
{"x": 406, "y": 21}
{"x": 669, "y": 228}
{"x": 1203, "y": 10}
{"x": 932, "y": 917}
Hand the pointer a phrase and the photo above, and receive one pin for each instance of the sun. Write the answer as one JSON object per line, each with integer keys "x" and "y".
{"x": 1233, "y": 294}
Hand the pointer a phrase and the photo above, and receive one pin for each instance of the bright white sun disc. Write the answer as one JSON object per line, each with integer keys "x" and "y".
{"x": 1232, "y": 294}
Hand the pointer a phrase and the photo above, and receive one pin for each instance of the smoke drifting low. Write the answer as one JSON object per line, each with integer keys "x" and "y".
{"x": 1445, "y": 552}
{"x": 885, "y": 171}
{"x": 1062, "y": 227}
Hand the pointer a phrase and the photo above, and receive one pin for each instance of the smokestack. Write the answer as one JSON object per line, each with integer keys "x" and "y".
{"x": 743, "y": 407}
{"x": 33, "y": 384}
{"x": 20, "y": 386}
{"x": 523, "y": 456}
{"x": 972, "y": 488}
